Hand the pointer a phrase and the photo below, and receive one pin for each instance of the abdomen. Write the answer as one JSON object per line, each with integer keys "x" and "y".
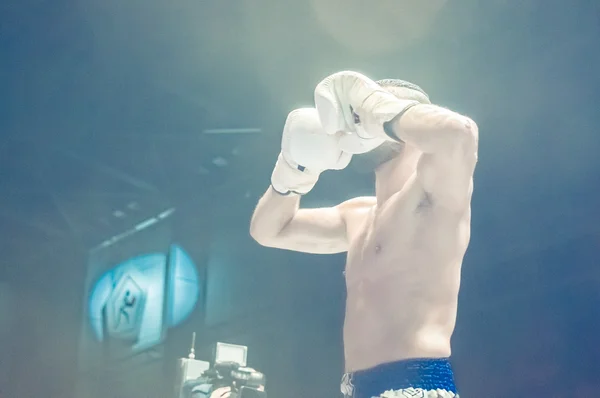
{"x": 400, "y": 316}
{"x": 402, "y": 298}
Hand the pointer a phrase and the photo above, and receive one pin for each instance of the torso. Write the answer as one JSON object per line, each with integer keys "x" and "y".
{"x": 403, "y": 277}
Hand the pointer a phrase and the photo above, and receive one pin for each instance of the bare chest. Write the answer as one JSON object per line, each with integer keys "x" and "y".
{"x": 408, "y": 238}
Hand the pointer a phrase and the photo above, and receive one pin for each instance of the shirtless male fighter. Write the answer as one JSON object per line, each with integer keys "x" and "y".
{"x": 404, "y": 246}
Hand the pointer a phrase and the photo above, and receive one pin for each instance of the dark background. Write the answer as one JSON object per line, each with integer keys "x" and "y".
{"x": 102, "y": 114}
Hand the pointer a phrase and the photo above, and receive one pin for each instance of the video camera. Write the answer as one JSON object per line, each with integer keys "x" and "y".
{"x": 228, "y": 371}
{"x": 244, "y": 382}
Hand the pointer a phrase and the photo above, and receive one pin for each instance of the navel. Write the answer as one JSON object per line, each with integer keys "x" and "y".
{"x": 377, "y": 248}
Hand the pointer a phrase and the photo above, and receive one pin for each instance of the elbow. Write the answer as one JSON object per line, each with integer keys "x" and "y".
{"x": 259, "y": 235}
{"x": 465, "y": 134}
{"x": 467, "y": 131}
{"x": 258, "y": 238}
{"x": 255, "y": 233}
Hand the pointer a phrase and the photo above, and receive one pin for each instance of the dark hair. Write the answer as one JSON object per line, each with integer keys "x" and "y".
{"x": 369, "y": 161}
{"x": 401, "y": 84}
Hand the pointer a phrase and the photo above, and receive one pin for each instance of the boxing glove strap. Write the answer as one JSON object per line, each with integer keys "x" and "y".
{"x": 291, "y": 178}
{"x": 288, "y": 193}
{"x": 388, "y": 127}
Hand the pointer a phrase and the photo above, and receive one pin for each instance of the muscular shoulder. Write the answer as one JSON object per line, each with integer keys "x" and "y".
{"x": 358, "y": 203}
{"x": 356, "y": 208}
{"x": 354, "y": 212}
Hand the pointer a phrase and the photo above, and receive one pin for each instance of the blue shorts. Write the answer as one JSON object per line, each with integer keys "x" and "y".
{"x": 414, "y": 378}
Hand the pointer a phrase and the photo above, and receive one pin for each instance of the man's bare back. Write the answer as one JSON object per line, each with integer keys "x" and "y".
{"x": 404, "y": 246}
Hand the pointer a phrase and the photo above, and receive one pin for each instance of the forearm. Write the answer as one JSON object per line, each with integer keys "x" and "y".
{"x": 431, "y": 128}
{"x": 273, "y": 212}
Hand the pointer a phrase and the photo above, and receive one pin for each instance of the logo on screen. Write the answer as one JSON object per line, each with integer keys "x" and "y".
{"x": 125, "y": 308}
{"x": 139, "y": 299}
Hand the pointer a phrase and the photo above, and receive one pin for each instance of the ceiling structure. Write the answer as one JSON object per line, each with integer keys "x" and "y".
{"x": 109, "y": 109}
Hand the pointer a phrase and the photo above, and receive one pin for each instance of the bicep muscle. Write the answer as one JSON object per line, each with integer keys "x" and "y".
{"x": 318, "y": 231}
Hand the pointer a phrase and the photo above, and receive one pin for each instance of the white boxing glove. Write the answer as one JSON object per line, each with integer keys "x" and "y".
{"x": 352, "y": 103}
{"x": 306, "y": 151}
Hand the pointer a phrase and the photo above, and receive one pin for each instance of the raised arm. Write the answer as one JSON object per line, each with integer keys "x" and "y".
{"x": 306, "y": 151}
{"x": 449, "y": 143}
{"x": 279, "y": 223}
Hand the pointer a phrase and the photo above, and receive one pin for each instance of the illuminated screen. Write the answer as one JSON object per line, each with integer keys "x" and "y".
{"x": 139, "y": 285}
{"x": 231, "y": 353}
